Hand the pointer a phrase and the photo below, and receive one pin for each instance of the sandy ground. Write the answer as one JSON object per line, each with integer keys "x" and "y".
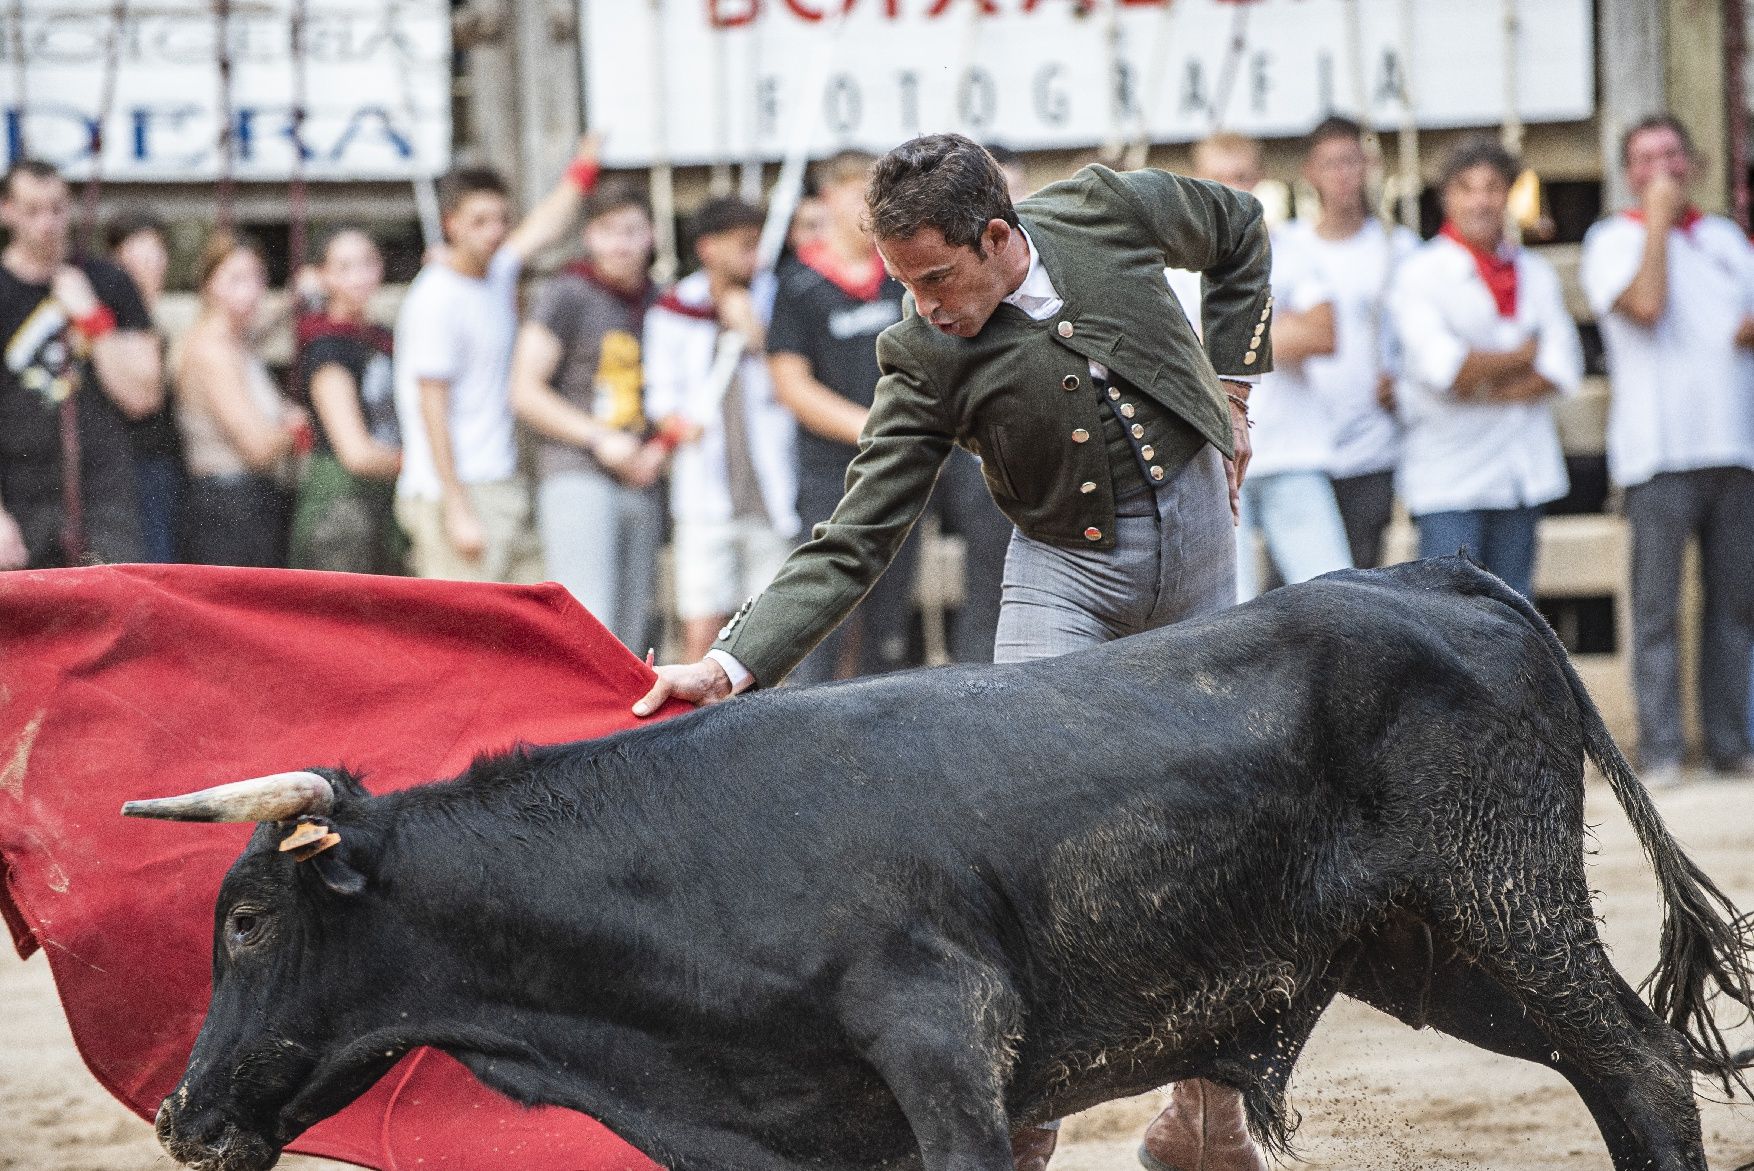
{"x": 1373, "y": 1094}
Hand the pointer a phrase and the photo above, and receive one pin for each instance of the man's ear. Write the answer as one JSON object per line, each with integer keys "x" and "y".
{"x": 997, "y": 235}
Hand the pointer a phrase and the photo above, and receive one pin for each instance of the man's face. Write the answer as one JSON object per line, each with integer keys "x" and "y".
{"x": 845, "y": 203}
{"x": 954, "y": 288}
{"x": 1237, "y": 169}
{"x": 1475, "y": 201}
{"x": 1657, "y": 151}
{"x": 730, "y": 255}
{"x": 38, "y": 213}
{"x": 809, "y": 223}
{"x": 1336, "y": 169}
{"x": 479, "y": 225}
{"x": 143, "y": 256}
{"x": 619, "y": 243}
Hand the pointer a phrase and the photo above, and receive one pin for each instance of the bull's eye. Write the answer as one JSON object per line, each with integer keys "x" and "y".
{"x": 245, "y": 927}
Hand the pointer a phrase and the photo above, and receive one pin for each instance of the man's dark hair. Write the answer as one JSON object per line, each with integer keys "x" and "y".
{"x": 131, "y": 222}
{"x": 1333, "y": 126}
{"x": 463, "y": 182}
{"x": 35, "y": 168}
{"x": 726, "y": 213}
{"x": 612, "y": 195}
{"x": 1479, "y": 150}
{"x": 1664, "y": 121}
{"x": 942, "y": 181}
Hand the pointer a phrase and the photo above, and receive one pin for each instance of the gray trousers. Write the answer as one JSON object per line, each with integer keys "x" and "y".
{"x": 1717, "y": 506}
{"x": 601, "y": 540}
{"x": 1174, "y": 558}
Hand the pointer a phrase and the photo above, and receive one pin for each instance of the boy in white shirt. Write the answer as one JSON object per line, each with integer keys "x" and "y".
{"x": 460, "y": 499}
{"x": 1287, "y": 500}
{"x": 733, "y": 485}
{"x": 1487, "y": 344}
{"x": 1355, "y": 255}
{"x": 1672, "y": 290}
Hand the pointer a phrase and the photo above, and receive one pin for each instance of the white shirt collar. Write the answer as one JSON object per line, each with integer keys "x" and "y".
{"x": 1036, "y": 296}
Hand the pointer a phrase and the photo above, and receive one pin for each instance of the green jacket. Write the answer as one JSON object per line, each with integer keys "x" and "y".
{"x": 1104, "y": 238}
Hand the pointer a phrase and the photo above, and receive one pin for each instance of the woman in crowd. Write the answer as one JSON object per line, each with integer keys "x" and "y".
{"x": 138, "y": 248}
{"x": 346, "y": 501}
{"x": 239, "y": 433}
{"x": 1487, "y": 346}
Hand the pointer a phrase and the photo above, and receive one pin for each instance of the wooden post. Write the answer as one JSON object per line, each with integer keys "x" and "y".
{"x": 1634, "y": 68}
{"x": 548, "y": 101}
{"x": 1696, "y": 91}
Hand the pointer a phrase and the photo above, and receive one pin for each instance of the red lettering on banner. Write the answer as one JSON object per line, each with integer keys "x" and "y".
{"x": 717, "y": 17}
{"x": 988, "y": 7}
{"x": 798, "y": 9}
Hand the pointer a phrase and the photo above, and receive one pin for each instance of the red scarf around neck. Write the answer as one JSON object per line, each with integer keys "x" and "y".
{"x": 1497, "y": 269}
{"x": 822, "y": 258}
{"x": 634, "y": 299}
{"x": 1689, "y": 216}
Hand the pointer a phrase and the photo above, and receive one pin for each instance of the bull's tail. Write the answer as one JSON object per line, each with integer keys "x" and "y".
{"x": 1706, "y": 944}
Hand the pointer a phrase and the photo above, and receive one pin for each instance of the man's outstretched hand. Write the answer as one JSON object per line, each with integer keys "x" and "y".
{"x": 699, "y": 683}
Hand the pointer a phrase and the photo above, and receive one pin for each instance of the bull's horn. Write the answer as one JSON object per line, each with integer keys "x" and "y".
{"x": 280, "y": 797}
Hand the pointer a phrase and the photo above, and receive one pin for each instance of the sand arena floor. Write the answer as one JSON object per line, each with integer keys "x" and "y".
{"x": 1374, "y": 1095}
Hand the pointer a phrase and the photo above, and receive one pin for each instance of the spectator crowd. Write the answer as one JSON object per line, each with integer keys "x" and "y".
{"x": 571, "y": 430}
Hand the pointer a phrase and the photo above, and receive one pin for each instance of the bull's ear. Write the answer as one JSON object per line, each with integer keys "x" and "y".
{"x": 345, "y": 866}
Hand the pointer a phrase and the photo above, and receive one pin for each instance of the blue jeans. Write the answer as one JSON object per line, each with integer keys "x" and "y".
{"x": 1501, "y": 539}
{"x": 1295, "y": 512}
{"x": 159, "y": 481}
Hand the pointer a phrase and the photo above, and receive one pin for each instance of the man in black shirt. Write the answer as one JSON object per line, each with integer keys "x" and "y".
{"x": 832, "y": 302}
{"x": 80, "y": 361}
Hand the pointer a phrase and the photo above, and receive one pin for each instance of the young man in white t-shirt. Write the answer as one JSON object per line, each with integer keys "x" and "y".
{"x": 1355, "y": 255}
{"x": 1673, "y": 291}
{"x": 1287, "y": 501}
{"x": 460, "y": 498}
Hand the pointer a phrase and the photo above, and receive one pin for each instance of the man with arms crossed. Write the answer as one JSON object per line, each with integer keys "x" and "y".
{"x": 1045, "y": 339}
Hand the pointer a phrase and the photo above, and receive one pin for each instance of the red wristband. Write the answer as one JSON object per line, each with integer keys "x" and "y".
{"x": 671, "y": 433}
{"x": 583, "y": 175}
{"x": 96, "y": 323}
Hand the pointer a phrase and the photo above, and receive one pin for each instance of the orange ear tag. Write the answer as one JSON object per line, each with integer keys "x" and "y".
{"x": 308, "y": 840}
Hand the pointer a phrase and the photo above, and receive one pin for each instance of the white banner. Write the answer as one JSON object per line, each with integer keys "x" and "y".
{"x": 1034, "y": 74}
{"x": 377, "y": 88}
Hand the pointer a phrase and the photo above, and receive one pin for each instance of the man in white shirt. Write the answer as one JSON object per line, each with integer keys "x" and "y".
{"x": 1355, "y": 255}
{"x": 1487, "y": 344}
{"x": 1673, "y": 290}
{"x": 733, "y": 485}
{"x": 1287, "y": 502}
{"x": 460, "y": 498}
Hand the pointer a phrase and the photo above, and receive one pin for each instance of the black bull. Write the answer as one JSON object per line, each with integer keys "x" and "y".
{"x": 882, "y": 924}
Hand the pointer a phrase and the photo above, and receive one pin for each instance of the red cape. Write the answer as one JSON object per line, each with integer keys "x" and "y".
{"x": 143, "y": 681}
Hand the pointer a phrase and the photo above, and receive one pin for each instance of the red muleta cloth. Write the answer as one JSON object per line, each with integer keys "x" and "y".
{"x": 141, "y": 681}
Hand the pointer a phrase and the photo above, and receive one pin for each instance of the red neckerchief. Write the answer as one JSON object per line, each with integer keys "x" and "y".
{"x": 1497, "y": 269}
{"x": 636, "y": 301}
{"x": 821, "y": 257}
{"x": 675, "y": 305}
{"x": 1690, "y": 216}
